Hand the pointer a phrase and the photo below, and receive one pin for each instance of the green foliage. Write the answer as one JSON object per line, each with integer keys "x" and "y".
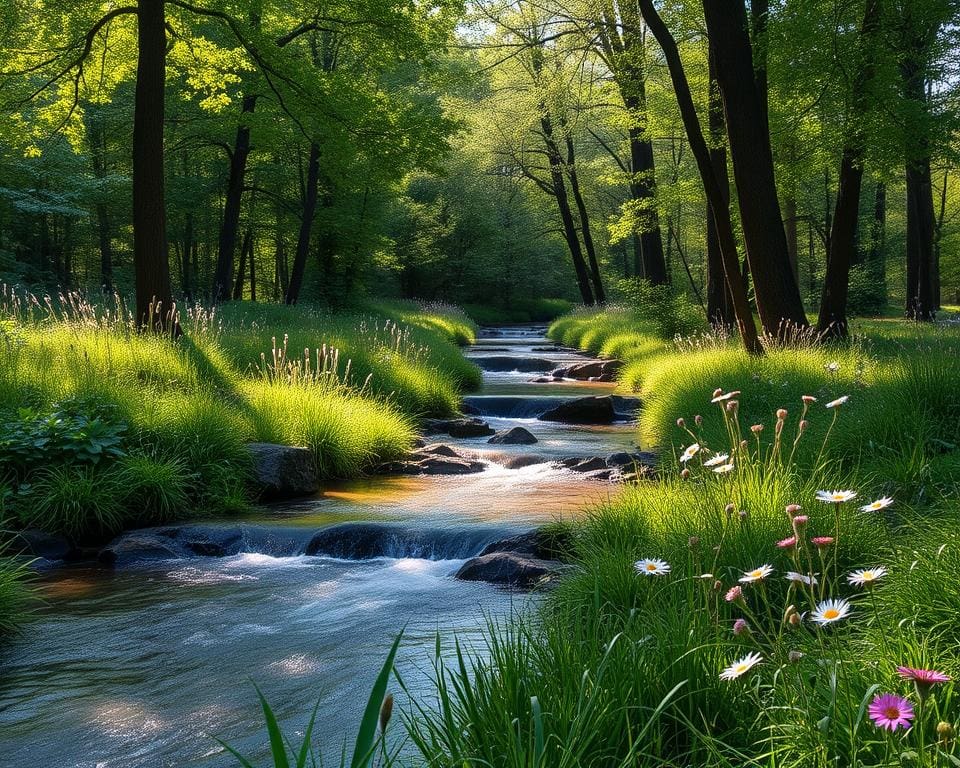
{"x": 74, "y": 432}
{"x": 81, "y": 501}
{"x": 667, "y": 310}
{"x": 156, "y": 489}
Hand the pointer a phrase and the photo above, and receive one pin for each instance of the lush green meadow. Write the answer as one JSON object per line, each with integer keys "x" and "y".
{"x": 633, "y": 658}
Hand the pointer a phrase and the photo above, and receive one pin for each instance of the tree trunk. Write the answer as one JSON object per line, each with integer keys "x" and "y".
{"x": 598, "y": 291}
{"x": 920, "y": 219}
{"x": 937, "y": 234}
{"x": 643, "y": 190}
{"x": 721, "y": 212}
{"x": 719, "y": 307}
{"x": 96, "y": 138}
{"x": 306, "y": 226}
{"x": 759, "y": 9}
{"x": 231, "y": 206}
{"x": 777, "y": 295}
{"x": 151, "y": 269}
{"x": 253, "y": 272}
{"x": 793, "y": 239}
{"x": 245, "y": 248}
{"x": 188, "y": 249}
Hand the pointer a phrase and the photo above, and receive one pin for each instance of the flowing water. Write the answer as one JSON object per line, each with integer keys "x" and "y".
{"x": 144, "y": 665}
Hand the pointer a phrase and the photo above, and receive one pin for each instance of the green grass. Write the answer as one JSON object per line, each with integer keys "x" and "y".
{"x": 520, "y": 311}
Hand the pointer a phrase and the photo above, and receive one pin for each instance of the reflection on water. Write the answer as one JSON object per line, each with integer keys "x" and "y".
{"x": 143, "y": 666}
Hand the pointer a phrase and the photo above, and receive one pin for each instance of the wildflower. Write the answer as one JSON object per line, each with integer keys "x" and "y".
{"x": 876, "y": 506}
{"x": 693, "y": 542}
{"x": 803, "y": 425}
{"x": 740, "y": 667}
{"x": 732, "y": 405}
{"x": 719, "y": 397}
{"x": 866, "y": 576}
{"x": 795, "y": 656}
{"x": 821, "y": 541}
{"x": 792, "y": 509}
{"x": 799, "y": 521}
{"x": 887, "y": 710}
{"x": 756, "y": 429}
{"x": 835, "y": 497}
{"x": 743, "y": 514}
{"x": 838, "y": 402}
{"x": 923, "y": 679}
{"x": 808, "y": 399}
{"x": 801, "y": 578}
{"x": 733, "y": 594}
{"x": 685, "y": 474}
{"x": 724, "y": 468}
{"x": 652, "y": 567}
{"x": 781, "y": 413}
{"x": 713, "y": 461}
{"x": 832, "y": 367}
{"x": 788, "y": 543}
{"x": 729, "y": 509}
{"x": 740, "y": 627}
{"x": 681, "y": 423}
{"x": 689, "y": 452}
{"x": 698, "y": 420}
{"x": 757, "y": 574}
{"x": 830, "y": 611}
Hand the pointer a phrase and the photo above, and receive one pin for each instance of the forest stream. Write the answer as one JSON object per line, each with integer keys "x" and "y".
{"x": 144, "y": 664}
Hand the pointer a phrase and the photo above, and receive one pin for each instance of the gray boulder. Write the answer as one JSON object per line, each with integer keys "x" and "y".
{"x": 140, "y": 546}
{"x": 625, "y": 460}
{"x": 36, "y": 543}
{"x": 594, "y": 370}
{"x": 284, "y": 471}
{"x": 583, "y": 410}
{"x": 513, "y": 436}
{"x": 462, "y": 427}
{"x": 510, "y": 569}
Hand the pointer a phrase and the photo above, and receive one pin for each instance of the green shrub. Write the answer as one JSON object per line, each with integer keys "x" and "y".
{"x": 16, "y": 596}
{"x": 82, "y": 502}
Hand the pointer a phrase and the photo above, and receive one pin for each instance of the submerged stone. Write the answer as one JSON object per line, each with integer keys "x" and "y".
{"x": 583, "y": 410}
{"x": 513, "y": 436}
{"x": 509, "y": 568}
{"x": 284, "y": 471}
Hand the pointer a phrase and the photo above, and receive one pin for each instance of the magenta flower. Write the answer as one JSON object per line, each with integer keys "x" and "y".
{"x": 740, "y": 627}
{"x": 788, "y": 543}
{"x": 822, "y": 541}
{"x": 928, "y": 676}
{"x": 887, "y": 710}
{"x": 733, "y": 594}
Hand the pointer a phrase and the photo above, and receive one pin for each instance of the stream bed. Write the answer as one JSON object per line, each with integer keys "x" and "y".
{"x": 145, "y": 664}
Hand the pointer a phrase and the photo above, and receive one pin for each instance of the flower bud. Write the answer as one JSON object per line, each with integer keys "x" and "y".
{"x": 743, "y": 445}
{"x": 681, "y": 423}
{"x": 804, "y": 424}
{"x": 756, "y": 429}
{"x": 790, "y": 611}
{"x": 693, "y": 542}
{"x": 386, "y": 710}
{"x": 717, "y": 392}
{"x": 743, "y": 514}
{"x": 795, "y": 620}
{"x": 792, "y": 509}
{"x": 740, "y": 627}
{"x": 795, "y": 656}
{"x": 729, "y": 509}
{"x": 698, "y": 419}
{"x": 732, "y": 406}
{"x": 944, "y": 732}
{"x": 781, "y": 413}
{"x": 717, "y": 585}
{"x": 808, "y": 399}
{"x": 684, "y": 474}
{"x": 733, "y": 594}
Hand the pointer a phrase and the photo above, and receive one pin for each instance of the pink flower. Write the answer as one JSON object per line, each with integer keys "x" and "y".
{"x": 781, "y": 413}
{"x": 792, "y": 509}
{"x": 923, "y": 679}
{"x": 887, "y": 710}
{"x": 800, "y": 520}
{"x": 822, "y": 541}
{"x": 740, "y": 627}
{"x": 733, "y": 594}
{"x": 808, "y": 399}
{"x": 787, "y": 543}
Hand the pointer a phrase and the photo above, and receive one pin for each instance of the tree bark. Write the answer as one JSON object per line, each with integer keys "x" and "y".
{"x": 245, "y": 248}
{"x": 701, "y": 153}
{"x": 151, "y": 269}
{"x": 96, "y": 138}
{"x": 777, "y": 295}
{"x": 719, "y": 306}
{"x": 306, "y": 226}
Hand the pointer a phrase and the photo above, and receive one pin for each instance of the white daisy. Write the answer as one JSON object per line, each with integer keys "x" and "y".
{"x": 835, "y": 497}
{"x": 866, "y": 576}
{"x": 652, "y": 567}
{"x": 721, "y": 397}
{"x": 741, "y": 667}
{"x": 724, "y": 468}
{"x": 838, "y": 402}
{"x": 830, "y": 611}
{"x": 713, "y": 461}
{"x": 876, "y": 506}
{"x": 801, "y": 578}
{"x": 757, "y": 574}
{"x": 832, "y": 367}
{"x": 689, "y": 452}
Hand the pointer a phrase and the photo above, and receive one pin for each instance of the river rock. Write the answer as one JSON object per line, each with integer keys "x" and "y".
{"x": 36, "y": 543}
{"x": 521, "y": 460}
{"x": 434, "y": 459}
{"x": 284, "y": 471}
{"x": 513, "y": 436}
{"x": 461, "y": 427}
{"x": 541, "y": 543}
{"x": 502, "y": 363}
{"x": 509, "y": 568}
{"x": 594, "y": 370}
{"x": 583, "y": 410}
{"x": 591, "y": 464}
{"x": 140, "y": 546}
{"x": 624, "y": 460}
{"x": 438, "y": 449}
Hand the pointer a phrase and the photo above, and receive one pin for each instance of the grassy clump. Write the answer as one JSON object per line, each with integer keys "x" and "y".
{"x": 519, "y": 311}
{"x": 622, "y": 664}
